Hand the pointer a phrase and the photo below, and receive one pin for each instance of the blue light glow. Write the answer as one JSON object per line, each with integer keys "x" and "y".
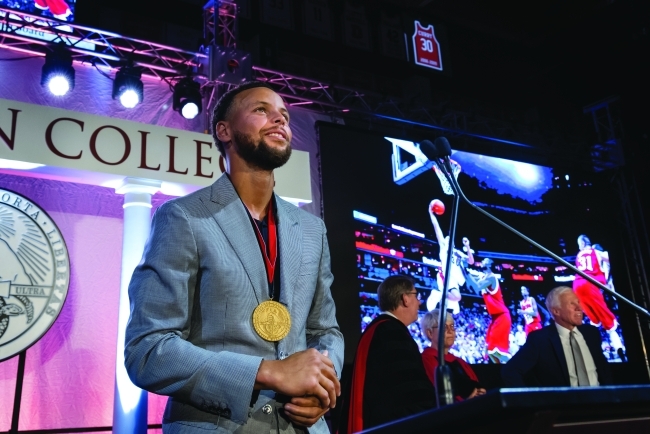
{"x": 522, "y": 180}
{"x": 364, "y": 217}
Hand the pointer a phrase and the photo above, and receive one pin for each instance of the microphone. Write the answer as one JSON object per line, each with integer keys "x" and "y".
{"x": 430, "y": 150}
{"x": 434, "y": 152}
{"x": 443, "y": 147}
{"x": 444, "y": 150}
{"x": 438, "y": 153}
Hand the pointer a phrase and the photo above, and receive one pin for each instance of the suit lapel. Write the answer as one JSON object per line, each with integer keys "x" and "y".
{"x": 229, "y": 212}
{"x": 559, "y": 352}
{"x": 290, "y": 249}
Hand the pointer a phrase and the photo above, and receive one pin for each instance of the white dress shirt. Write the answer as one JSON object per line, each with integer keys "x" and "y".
{"x": 592, "y": 373}
{"x": 389, "y": 313}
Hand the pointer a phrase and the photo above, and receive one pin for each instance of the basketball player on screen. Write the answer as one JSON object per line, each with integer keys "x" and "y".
{"x": 605, "y": 265}
{"x": 459, "y": 260}
{"x": 497, "y": 337}
{"x": 59, "y": 8}
{"x": 592, "y": 262}
{"x": 528, "y": 309}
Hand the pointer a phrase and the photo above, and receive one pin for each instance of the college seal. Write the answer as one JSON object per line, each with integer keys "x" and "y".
{"x": 34, "y": 273}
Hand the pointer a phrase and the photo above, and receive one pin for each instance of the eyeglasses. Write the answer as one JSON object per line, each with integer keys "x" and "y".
{"x": 417, "y": 294}
{"x": 451, "y": 327}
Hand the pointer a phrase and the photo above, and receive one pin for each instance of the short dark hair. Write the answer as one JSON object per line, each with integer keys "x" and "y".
{"x": 222, "y": 109}
{"x": 390, "y": 291}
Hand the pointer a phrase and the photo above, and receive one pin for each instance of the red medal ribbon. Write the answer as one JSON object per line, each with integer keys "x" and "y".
{"x": 273, "y": 243}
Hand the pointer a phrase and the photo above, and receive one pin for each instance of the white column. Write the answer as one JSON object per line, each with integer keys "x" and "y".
{"x": 130, "y": 404}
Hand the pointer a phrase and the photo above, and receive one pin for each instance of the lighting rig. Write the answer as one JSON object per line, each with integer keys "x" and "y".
{"x": 58, "y": 74}
{"x": 187, "y": 98}
{"x": 127, "y": 85}
{"x": 108, "y": 50}
{"x": 128, "y": 59}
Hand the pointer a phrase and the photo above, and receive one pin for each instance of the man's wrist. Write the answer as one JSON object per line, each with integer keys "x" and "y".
{"x": 266, "y": 375}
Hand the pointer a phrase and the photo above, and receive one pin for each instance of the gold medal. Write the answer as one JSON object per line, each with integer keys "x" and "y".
{"x": 271, "y": 320}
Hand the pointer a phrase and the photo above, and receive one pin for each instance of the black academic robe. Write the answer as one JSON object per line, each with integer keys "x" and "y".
{"x": 388, "y": 381}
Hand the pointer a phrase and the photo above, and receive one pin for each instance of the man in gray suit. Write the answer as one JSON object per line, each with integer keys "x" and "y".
{"x": 214, "y": 258}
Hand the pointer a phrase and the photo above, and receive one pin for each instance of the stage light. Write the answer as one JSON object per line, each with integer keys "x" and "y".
{"x": 127, "y": 86}
{"x": 57, "y": 73}
{"x": 187, "y": 98}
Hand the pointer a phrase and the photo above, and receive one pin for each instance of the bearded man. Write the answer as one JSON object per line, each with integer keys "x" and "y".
{"x": 231, "y": 311}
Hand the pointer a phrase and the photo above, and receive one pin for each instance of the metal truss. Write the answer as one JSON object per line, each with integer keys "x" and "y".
{"x": 35, "y": 36}
{"x": 220, "y": 23}
{"x": 636, "y": 250}
{"x": 607, "y": 152}
{"x": 607, "y": 157}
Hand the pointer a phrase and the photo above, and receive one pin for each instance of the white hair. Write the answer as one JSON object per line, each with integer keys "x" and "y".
{"x": 553, "y": 297}
{"x": 430, "y": 319}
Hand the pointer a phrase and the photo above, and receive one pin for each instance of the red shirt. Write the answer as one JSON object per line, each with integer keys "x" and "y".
{"x": 470, "y": 380}
{"x": 527, "y": 304}
{"x": 494, "y": 300}
{"x": 587, "y": 262}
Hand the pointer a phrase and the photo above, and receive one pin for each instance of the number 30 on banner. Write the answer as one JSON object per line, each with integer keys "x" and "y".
{"x": 426, "y": 47}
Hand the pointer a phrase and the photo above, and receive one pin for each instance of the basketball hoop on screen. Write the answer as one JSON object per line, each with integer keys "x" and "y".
{"x": 455, "y": 170}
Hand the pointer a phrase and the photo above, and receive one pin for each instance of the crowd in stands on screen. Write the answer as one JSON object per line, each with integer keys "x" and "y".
{"x": 471, "y": 327}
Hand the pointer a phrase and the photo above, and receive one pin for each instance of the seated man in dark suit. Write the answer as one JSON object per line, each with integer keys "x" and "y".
{"x": 566, "y": 353}
{"x": 388, "y": 379}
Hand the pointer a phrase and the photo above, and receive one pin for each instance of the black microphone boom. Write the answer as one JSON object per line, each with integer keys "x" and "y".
{"x": 442, "y": 375}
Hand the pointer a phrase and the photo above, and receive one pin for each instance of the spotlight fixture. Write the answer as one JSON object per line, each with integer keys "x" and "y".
{"x": 187, "y": 98}
{"x": 57, "y": 73}
{"x": 127, "y": 86}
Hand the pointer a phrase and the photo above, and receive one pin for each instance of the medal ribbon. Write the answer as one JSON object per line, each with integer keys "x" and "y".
{"x": 269, "y": 260}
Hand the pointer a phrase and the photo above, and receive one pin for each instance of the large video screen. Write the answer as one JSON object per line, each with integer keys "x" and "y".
{"x": 59, "y": 9}
{"x": 387, "y": 213}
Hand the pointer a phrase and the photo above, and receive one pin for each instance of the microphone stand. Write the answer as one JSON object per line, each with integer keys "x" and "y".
{"x": 444, "y": 392}
{"x": 559, "y": 259}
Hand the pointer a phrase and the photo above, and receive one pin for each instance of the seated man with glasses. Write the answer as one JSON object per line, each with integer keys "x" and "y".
{"x": 388, "y": 378}
{"x": 464, "y": 381}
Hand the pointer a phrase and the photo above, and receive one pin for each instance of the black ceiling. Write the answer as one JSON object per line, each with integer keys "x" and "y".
{"x": 547, "y": 57}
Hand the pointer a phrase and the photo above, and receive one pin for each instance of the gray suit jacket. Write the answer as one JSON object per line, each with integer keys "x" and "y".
{"x": 190, "y": 334}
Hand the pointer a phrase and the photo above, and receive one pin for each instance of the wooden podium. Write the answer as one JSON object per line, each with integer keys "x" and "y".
{"x": 557, "y": 410}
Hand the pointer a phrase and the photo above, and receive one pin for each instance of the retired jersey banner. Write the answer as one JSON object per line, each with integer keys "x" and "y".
{"x": 277, "y": 13}
{"x": 392, "y": 36}
{"x": 317, "y": 19}
{"x": 426, "y": 48}
{"x": 356, "y": 29}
